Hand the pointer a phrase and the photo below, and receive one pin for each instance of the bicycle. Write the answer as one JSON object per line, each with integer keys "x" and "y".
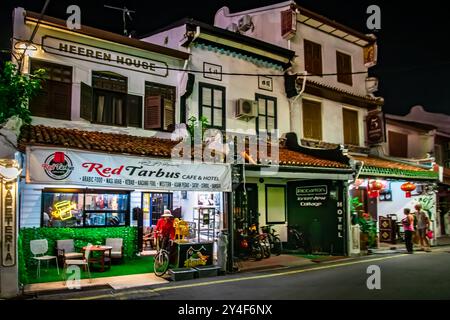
{"x": 274, "y": 240}
{"x": 161, "y": 260}
{"x": 298, "y": 239}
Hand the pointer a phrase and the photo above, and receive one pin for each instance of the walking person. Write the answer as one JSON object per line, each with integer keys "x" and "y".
{"x": 423, "y": 225}
{"x": 408, "y": 226}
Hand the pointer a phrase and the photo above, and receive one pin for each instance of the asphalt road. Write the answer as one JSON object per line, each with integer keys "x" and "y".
{"x": 417, "y": 276}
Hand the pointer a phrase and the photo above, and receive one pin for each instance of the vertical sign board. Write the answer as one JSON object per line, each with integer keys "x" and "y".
{"x": 375, "y": 128}
{"x": 318, "y": 207}
{"x": 8, "y": 223}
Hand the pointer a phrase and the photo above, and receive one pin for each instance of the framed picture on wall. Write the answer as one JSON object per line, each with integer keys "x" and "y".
{"x": 212, "y": 71}
{"x": 265, "y": 83}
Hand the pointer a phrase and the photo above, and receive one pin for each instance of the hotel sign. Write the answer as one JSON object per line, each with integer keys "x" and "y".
{"x": 375, "y": 128}
{"x": 71, "y": 167}
{"x": 8, "y": 223}
{"x": 108, "y": 57}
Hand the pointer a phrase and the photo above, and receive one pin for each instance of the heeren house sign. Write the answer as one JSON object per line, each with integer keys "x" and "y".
{"x": 89, "y": 169}
{"x": 89, "y": 53}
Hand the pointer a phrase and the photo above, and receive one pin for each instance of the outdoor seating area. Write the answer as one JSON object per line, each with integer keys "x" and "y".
{"x": 89, "y": 258}
{"x": 47, "y": 254}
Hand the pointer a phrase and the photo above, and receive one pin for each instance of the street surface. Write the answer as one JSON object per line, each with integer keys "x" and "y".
{"x": 418, "y": 276}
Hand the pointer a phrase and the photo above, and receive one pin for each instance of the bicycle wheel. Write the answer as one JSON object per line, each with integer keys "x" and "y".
{"x": 276, "y": 246}
{"x": 161, "y": 263}
{"x": 257, "y": 251}
{"x": 266, "y": 248}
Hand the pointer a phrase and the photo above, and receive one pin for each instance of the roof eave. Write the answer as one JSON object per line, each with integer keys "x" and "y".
{"x": 106, "y": 35}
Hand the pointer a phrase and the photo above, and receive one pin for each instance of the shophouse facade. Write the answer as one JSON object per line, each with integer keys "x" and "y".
{"x": 329, "y": 111}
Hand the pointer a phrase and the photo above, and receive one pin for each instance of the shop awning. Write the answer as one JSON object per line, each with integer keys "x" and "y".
{"x": 379, "y": 167}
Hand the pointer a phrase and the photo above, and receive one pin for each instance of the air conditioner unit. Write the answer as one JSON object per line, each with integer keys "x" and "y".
{"x": 245, "y": 23}
{"x": 233, "y": 27}
{"x": 246, "y": 109}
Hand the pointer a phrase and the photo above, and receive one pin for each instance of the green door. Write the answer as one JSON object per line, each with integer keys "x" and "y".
{"x": 318, "y": 208}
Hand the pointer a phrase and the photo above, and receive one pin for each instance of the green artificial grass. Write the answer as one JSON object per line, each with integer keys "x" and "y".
{"x": 136, "y": 265}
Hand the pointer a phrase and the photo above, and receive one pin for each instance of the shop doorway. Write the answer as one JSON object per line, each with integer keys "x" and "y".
{"x": 316, "y": 209}
{"x": 244, "y": 219}
{"x": 153, "y": 206}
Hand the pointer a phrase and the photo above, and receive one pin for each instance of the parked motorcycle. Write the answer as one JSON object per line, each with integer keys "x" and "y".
{"x": 274, "y": 240}
{"x": 249, "y": 245}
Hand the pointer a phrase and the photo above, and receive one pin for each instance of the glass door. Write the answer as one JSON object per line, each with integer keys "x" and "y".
{"x": 153, "y": 206}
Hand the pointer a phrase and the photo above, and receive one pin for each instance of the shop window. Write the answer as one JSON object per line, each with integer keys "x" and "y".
{"x": 212, "y": 105}
{"x": 81, "y": 208}
{"x": 107, "y": 101}
{"x": 275, "y": 204}
{"x": 313, "y": 57}
{"x": 344, "y": 68}
{"x": 54, "y": 100}
{"x": 267, "y": 113}
{"x": 351, "y": 128}
{"x": 312, "y": 119}
{"x": 159, "y": 108}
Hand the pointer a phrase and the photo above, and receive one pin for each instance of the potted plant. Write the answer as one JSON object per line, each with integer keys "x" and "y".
{"x": 368, "y": 231}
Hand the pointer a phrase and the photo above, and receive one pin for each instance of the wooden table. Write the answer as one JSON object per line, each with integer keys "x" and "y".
{"x": 102, "y": 258}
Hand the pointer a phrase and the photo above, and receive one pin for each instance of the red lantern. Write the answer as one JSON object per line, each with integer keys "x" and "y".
{"x": 408, "y": 187}
{"x": 373, "y": 194}
{"x": 376, "y": 185}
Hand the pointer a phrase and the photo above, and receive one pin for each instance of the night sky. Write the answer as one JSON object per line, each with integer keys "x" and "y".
{"x": 413, "y": 63}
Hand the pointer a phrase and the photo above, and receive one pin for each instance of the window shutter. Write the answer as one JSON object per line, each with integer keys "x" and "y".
{"x": 344, "y": 68}
{"x": 86, "y": 102}
{"x": 39, "y": 103}
{"x": 317, "y": 58}
{"x": 169, "y": 114}
{"x": 351, "y": 128}
{"x": 398, "y": 144}
{"x": 152, "y": 112}
{"x": 288, "y": 23}
{"x": 134, "y": 111}
{"x": 60, "y": 100}
{"x": 308, "y": 56}
{"x": 312, "y": 120}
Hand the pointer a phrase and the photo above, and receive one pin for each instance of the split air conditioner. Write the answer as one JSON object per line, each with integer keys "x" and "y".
{"x": 246, "y": 109}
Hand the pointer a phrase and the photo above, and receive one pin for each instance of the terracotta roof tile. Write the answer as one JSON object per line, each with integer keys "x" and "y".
{"x": 293, "y": 158}
{"x": 387, "y": 164}
{"x": 146, "y": 146}
{"x": 95, "y": 141}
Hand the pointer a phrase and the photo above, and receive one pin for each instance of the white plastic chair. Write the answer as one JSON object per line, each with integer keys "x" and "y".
{"x": 80, "y": 262}
{"x": 39, "y": 249}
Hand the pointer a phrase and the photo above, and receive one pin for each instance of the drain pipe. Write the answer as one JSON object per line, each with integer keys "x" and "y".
{"x": 294, "y": 100}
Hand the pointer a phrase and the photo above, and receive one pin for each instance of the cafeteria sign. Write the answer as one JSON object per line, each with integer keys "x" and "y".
{"x": 93, "y": 54}
{"x": 65, "y": 166}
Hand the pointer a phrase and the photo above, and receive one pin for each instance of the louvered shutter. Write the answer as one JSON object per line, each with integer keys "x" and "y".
{"x": 312, "y": 120}
{"x": 288, "y": 23}
{"x": 169, "y": 114}
{"x": 308, "y": 56}
{"x": 86, "y": 102}
{"x": 317, "y": 58}
{"x": 134, "y": 111}
{"x": 152, "y": 112}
